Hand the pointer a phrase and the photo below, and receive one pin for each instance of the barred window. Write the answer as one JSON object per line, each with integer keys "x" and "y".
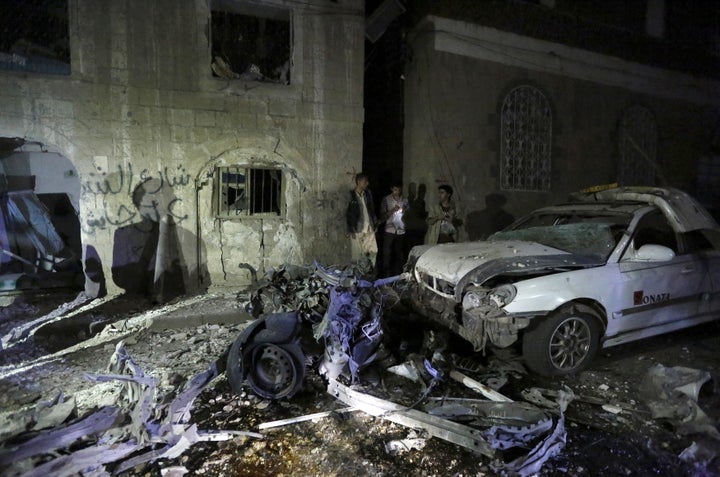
{"x": 35, "y": 36}
{"x": 250, "y": 42}
{"x": 525, "y": 135}
{"x": 246, "y": 192}
{"x": 637, "y": 147}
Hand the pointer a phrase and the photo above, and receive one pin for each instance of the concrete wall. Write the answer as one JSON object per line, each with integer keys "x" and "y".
{"x": 142, "y": 107}
{"x": 454, "y": 90}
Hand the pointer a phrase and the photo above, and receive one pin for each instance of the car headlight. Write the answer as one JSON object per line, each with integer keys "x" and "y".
{"x": 502, "y": 295}
{"x": 495, "y": 297}
{"x": 473, "y": 299}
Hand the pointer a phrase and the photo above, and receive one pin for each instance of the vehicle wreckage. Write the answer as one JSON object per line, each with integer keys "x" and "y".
{"x": 272, "y": 355}
{"x": 145, "y": 425}
{"x": 612, "y": 266}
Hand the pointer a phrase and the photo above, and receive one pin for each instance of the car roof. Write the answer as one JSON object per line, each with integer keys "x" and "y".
{"x": 682, "y": 211}
{"x": 614, "y": 207}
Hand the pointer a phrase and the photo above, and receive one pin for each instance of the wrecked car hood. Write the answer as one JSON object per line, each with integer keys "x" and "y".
{"x": 452, "y": 261}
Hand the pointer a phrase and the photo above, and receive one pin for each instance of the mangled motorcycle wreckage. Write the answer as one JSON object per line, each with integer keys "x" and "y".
{"x": 273, "y": 354}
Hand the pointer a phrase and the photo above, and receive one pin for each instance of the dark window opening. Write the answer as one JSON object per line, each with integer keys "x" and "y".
{"x": 35, "y": 36}
{"x": 695, "y": 241}
{"x": 654, "y": 229}
{"x": 694, "y": 25}
{"x": 247, "y": 192}
{"x": 250, "y": 43}
{"x": 708, "y": 179}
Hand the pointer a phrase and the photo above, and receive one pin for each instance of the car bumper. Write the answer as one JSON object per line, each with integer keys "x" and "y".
{"x": 478, "y": 326}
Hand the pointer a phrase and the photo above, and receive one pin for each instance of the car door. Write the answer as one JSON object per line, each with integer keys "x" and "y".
{"x": 659, "y": 293}
{"x": 706, "y": 243}
{"x": 712, "y": 305}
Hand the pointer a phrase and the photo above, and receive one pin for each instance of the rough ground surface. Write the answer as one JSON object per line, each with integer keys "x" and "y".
{"x": 176, "y": 341}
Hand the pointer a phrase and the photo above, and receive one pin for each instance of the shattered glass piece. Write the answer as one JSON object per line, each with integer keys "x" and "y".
{"x": 406, "y": 370}
{"x": 404, "y": 445}
{"x": 611, "y": 408}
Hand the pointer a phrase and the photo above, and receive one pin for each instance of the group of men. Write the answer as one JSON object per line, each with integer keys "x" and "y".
{"x": 362, "y": 224}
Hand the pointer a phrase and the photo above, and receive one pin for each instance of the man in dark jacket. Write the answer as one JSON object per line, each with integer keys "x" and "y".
{"x": 361, "y": 224}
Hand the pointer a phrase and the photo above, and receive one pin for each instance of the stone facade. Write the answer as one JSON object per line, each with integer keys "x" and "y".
{"x": 142, "y": 108}
{"x": 454, "y": 90}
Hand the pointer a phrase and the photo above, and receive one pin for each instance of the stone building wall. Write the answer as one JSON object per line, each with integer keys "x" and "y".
{"x": 142, "y": 109}
{"x": 454, "y": 89}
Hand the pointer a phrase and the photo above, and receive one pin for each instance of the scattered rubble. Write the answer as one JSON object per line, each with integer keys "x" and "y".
{"x": 140, "y": 422}
{"x": 415, "y": 403}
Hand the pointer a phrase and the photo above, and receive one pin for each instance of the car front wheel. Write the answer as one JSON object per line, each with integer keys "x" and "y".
{"x": 562, "y": 343}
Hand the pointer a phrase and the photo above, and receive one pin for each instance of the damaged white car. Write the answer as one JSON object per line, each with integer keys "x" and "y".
{"x": 610, "y": 267}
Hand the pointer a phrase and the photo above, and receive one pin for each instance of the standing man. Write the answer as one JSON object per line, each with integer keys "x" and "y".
{"x": 392, "y": 210}
{"x": 442, "y": 220}
{"x": 361, "y": 224}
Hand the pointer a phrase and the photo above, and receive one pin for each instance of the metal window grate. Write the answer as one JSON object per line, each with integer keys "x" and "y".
{"x": 526, "y": 135}
{"x": 637, "y": 147}
{"x": 245, "y": 192}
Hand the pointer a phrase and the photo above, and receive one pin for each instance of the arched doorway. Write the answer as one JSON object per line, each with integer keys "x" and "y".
{"x": 40, "y": 246}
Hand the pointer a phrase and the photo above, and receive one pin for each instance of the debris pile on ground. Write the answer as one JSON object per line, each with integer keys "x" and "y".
{"x": 418, "y": 403}
{"x": 142, "y": 426}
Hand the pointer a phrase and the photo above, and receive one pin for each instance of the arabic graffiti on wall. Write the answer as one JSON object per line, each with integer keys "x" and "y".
{"x": 150, "y": 196}
{"x": 125, "y": 180}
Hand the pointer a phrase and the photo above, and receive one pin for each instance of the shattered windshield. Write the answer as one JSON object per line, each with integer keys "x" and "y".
{"x": 588, "y": 235}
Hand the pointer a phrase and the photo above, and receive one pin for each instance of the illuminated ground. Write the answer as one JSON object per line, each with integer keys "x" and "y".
{"x": 176, "y": 341}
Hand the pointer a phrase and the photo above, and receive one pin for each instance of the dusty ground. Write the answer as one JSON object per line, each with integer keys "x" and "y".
{"x": 176, "y": 341}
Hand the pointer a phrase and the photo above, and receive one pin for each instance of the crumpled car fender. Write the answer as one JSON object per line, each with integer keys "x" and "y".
{"x": 522, "y": 266}
{"x": 539, "y": 296}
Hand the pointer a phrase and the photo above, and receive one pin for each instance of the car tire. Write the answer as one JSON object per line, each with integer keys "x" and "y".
{"x": 562, "y": 343}
{"x": 235, "y": 368}
{"x": 273, "y": 371}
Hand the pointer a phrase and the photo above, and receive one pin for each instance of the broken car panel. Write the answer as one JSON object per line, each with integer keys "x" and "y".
{"x": 271, "y": 354}
{"x": 615, "y": 266}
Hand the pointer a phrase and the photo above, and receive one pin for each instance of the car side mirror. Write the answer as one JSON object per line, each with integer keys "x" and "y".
{"x": 653, "y": 253}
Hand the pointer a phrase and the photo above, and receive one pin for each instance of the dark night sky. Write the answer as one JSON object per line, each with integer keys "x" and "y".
{"x": 383, "y": 127}
{"x": 613, "y": 27}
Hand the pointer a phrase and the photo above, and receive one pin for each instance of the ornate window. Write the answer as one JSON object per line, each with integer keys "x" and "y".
{"x": 526, "y": 136}
{"x": 249, "y": 192}
{"x": 637, "y": 147}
